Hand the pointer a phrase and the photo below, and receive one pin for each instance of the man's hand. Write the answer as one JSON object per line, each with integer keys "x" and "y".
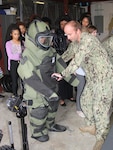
{"x": 57, "y": 76}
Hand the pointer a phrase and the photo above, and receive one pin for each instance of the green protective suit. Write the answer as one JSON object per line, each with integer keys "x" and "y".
{"x": 35, "y": 69}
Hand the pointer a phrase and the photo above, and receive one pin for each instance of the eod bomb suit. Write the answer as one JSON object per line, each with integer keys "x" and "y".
{"x": 39, "y": 61}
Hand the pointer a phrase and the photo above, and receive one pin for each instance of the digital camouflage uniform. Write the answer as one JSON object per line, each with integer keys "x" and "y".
{"x": 97, "y": 95}
{"x": 35, "y": 68}
{"x": 108, "y": 45}
{"x": 70, "y": 52}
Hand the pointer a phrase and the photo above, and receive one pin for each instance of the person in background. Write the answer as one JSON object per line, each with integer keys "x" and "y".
{"x": 84, "y": 14}
{"x": 97, "y": 96}
{"x": 14, "y": 51}
{"x": 9, "y": 29}
{"x": 93, "y": 30}
{"x": 85, "y": 22}
{"x": 22, "y": 28}
{"x": 60, "y": 44}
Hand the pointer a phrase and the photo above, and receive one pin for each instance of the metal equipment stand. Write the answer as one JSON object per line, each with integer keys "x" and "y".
{"x": 21, "y": 113}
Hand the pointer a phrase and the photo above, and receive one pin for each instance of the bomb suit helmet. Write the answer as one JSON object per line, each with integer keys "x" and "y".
{"x": 39, "y": 33}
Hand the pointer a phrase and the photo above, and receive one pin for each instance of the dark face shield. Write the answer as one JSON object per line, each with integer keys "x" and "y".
{"x": 44, "y": 40}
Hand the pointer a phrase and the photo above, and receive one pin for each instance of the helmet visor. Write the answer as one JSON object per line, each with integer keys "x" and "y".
{"x": 45, "y": 41}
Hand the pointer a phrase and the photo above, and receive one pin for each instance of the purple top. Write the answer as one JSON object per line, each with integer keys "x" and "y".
{"x": 14, "y": 51}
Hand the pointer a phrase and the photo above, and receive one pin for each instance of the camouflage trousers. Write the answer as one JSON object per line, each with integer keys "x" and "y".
{"x": 41, "y": 115}
{"x": 95, "y": 103}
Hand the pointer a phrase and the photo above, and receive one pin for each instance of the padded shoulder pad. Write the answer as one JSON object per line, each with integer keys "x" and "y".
{"x": 25, "y": 69}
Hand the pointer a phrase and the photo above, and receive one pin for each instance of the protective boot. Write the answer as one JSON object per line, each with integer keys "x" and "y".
{"x": 98, "y": 145}
{"x": 90, "y": 129}
{"x": 57, "y": 128}
{"x": 42, "y": 138}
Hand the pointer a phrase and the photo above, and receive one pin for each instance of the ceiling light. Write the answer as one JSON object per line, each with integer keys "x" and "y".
{"x": 39, "y": 2}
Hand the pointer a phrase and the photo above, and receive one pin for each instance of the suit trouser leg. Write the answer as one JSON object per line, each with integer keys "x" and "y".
{"x": 42, "y": 116}
{"x": 52, "y": 109}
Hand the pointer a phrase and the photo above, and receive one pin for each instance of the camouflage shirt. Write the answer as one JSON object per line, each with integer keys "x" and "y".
{"x": 92, "y": 57}
{"x": 70, "y": 52}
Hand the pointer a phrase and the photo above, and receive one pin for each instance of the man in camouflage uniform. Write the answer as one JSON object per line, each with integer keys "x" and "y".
{"x": 97, "y": 96}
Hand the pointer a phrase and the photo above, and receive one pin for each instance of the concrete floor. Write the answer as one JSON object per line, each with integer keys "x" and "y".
{"x": 72, "y": 139}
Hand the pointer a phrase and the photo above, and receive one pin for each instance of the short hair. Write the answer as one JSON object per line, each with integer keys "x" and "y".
{"x": 91, "y": 28}
{"x": 75, "y": 24}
